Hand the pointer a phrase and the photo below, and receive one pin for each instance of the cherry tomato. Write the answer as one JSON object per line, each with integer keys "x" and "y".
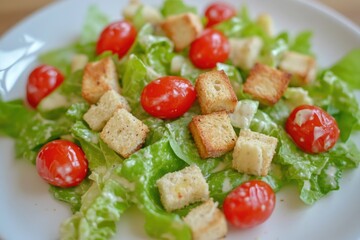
{"x": 168, "y": 97}
{"x": 117, "y": 37}
{"x": 218, "y": 12}
{"x": 250, "y": 204}
{"x": 41, "y": 82}
{"x": 62, "y": 163}
{"x": 312, "y": 129}
{"x": 208, "y": 49}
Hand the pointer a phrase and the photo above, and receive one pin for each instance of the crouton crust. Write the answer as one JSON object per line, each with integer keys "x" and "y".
{"x": 99, "y": 77}
{"x": 213, "y": 134}
{"x": 182, "y": 29}
{"x": 266, "y": 84}
{"x": 215, "y": 92}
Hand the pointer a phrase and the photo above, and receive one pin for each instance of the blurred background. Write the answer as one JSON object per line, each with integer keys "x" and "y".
{"x": 13, "y": 11}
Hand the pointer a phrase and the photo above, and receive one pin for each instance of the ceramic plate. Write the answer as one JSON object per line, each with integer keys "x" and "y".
{"x": 28, "y": 211}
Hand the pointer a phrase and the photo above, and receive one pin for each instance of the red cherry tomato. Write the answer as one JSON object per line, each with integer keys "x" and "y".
{"x": 218, "y": 12}
{"x": 250, "y": 204}
{"x": 41, "y": 82}
{"x": 168, "y": 97}
{"x": 117, "y": 37}
{"x": 62, "y": 163}
{"x": 312, "y": 129}
{"x": 208, "y": 49}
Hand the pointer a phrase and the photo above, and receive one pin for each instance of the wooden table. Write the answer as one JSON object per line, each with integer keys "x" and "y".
{"x": 12, "y": 11}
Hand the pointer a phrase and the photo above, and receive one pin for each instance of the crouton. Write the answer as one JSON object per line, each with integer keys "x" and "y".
{"x": 99, "y": 114}
{"x": 266, "y": 84}
{"x": 182, "y": 29}
{"x": 181, "y": 188}
{"x": 244, "y": 113}
{"x": 300, "y": 66}
{"x": 215, "y": 92}
{"x": 265, "y": 21}
{"x": 207, "y": 222}
{"x": 253, "y": 153}
{"x": 78, "y": 62}
{"x": 124, "y": 133}
{"x": 245, "y": 51}
{"x": 99, "y": 77}
{"x": 149, "y": 14}
{"x": 213, "y": 134}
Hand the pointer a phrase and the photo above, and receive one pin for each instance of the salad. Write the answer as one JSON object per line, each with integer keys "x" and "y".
{"x": 112, "y": 183}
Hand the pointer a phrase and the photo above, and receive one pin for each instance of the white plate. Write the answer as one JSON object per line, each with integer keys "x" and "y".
{"x": 27, "y": 210}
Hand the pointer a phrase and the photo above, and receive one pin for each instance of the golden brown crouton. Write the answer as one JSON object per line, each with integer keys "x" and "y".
{"x": 215, "y": 92}
{"x": 253, "y": 153}
{"x": 181, "y": 188}
{"x": 244, "y": 52}
{"x": 99, "y": 77}
{"x": 213, "y": 134}
{"x": 182, "y": 29}
{"x": 124, "y": 133}
{"x": 266, "y": 84}
{"x": 99, "y": 114}
{"x": 300, "y": 66}
{"x": 207, "y": 222}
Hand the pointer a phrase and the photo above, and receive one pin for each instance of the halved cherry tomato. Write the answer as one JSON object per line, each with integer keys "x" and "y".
{"x": 168, "y": 97}
{"x": 41, "y": 82}
{"x": 62, "y": 163}
{"x": 117, "y": 37}
{"x": 250, "y": 204}
{"x": 218, "y": 12}
{"x": 312, "y": 129}
{"x": 208, "y": 49}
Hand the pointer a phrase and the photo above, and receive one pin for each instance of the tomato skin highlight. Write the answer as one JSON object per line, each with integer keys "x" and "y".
{"x": 117, "y": 37}
{"x": 312, "y": 129}
{"x": 168, "y": 97}
{"x": 250, "y": 204}
{"x": 42, "y": 81}
{"x": 210, "y": 48}
{"x": 62, "y": 163}
{"x": 218, "y": 12}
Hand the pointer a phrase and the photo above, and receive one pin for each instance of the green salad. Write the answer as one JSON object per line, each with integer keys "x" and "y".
{"x": 113, "y": 183}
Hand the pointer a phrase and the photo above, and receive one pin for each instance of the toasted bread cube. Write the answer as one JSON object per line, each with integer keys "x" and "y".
{"x": 244, "y": 52}
{"x": 99, "y": 114}
{"x": 253, "y": 153}
{"x": 182, "y": 29}
{"x": 181, "y": 188}
{"x": 244, "y": 113}
{"x": 207, "y": 222}
{"x": 213, "y": 134}
{"x": 300, "y": 66}
{"x": 78, "y": 62}
{"x": 266, "y": 84}
{"x": 266, "y": 22}
{"x": 124, "y": 133}
{"x": 149, "y": 14}
{"x": 99, "y": 77}
{"x": 215, "y": 92}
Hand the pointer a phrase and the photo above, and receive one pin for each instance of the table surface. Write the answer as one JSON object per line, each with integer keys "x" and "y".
{"x": 13, "y": 11}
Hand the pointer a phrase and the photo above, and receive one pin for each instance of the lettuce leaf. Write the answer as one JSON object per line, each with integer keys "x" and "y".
{"x": 334, "y": 96}
{"x": 348, "y": 69}
{"x": 14, "y": 115}
{"x": 143, "y": 169}
{"x": 173, "y": 7}
{"x": 94, "y": 23}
